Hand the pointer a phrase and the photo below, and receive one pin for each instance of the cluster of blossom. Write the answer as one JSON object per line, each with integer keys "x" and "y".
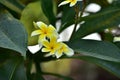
{"x": 48, "y": 37}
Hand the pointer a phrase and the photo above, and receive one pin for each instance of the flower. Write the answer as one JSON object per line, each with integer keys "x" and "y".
{"x": 72, "y": 2}
{"x": 48, "y": 40}
{"x": 64, "y": 49}
{"x": 56, "y": 48}
{"x": 44, "y": 31}
{"x": 51, "y": 46}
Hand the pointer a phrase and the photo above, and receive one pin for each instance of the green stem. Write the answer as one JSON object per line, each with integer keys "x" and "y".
{"x": 37, "y": 65}
{"x": 77, "y": 17}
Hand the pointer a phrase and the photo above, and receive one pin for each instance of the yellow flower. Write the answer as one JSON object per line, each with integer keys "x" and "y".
{"x": 44, "y": 31}
{"x": 64, "y": 49}
{"x": 72, "y": 2}
{"x": 51, "y": 46}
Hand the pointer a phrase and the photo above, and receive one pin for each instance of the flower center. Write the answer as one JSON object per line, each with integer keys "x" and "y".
{"x": 52, "y": 47}
{"x": 45, "y": 32}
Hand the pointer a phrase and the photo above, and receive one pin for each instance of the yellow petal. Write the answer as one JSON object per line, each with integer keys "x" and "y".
{"x": 58, "y": 55}
{"x": 69, "y": 52}
{"x": 36, "y": 32}
{"x": 53, "y": 39}
{"x": 46, "y": 43}
{"x": 73, "y": 3}
{"x": 41, "y": 25}
{"x": 63, "y": 3}
{"x": 51, "y": 28}
{"x": 41, "y": 38}
{"x": 45, "y": 50}
{"x": 52, "y": 52}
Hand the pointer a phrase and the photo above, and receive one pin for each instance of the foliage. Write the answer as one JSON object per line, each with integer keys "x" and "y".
{"x": 16, "y": 26}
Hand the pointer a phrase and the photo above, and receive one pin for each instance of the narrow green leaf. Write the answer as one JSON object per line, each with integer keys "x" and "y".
{"x": 111, "y": 66}
{"x": 116, "y": 3}
{"x": 6, "y": 54}
{"x": 12, "y": 34}
{"x": 47, "y": 7}
{"x": 117, "y": 44}
{"x": 68, "y": 17}
{"x": 108, "y": 17}
{"x": 13, "y": 69}
{"x": 14, "y": 5}
{"x": 98, "y": 49}
{"x": 68, "y": 14}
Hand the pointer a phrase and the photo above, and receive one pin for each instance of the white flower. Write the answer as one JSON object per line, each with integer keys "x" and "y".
{"x": 72, "y": 2}
{"x": 64, "y": 49}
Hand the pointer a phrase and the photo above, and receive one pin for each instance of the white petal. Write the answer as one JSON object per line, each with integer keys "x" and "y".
{"x": 58, "y": 55}
{"x": 40, "y": 23}
{"x": 36, "y": 32}
{"x": 79, "y": 0}
{"x": 41, "y": 38}
{"x": 63, "y": 3}
{"x": 70, "y": 52}
{"x": 40, "y": 45}
{"x": 49, "y": 54}
{"x": 45, "y": 50}
{"x": 72, "y": 4}
{"x": 52, "y": 28}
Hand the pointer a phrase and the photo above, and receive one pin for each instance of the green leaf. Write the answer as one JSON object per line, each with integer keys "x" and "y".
{"x": 98, "y": 49}
{"x": 4, "y": 55}
{"x": 108, "y": 17}
{"x": 14, "y": 5}
{"x": 30, "y": 15}
{"x": 117, "y": 44}
{"x": 116, "y": 3}
{"x": 68, "y": 17}
{"x": 47, "y": 7}
{"x": 68, "y": 14}
{"x": 13, "y": 69}
{"x": 12, "y": 33}
{"x": 111, "y": 66}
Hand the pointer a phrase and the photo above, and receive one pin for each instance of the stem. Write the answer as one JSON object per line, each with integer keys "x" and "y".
{"x": 37, "y": 65}
{"x": 76, "y": 20}
{"x": 77, "y": 17}
{"x": 84, "y": 5}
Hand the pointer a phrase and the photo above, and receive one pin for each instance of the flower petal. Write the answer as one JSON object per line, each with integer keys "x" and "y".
{"x": 41, "y": 38}
{"x": 41, "y": 24}
{"x": 52, "y": 52}
{"x": 36, "y": 32}
{"x": 51, "y": 28}
{"x": 79, "y": 0}
{"x": 73, "y": 3}
{"x": 45, "y": 50}
{"x": 47, "y": 55}
{"x": 63, "y": 3}
{"x": 46, "y": 43}
{"x": 69, "y": 52}
{"x": 58, "y": 55}
{"x": 53, "y": 39}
